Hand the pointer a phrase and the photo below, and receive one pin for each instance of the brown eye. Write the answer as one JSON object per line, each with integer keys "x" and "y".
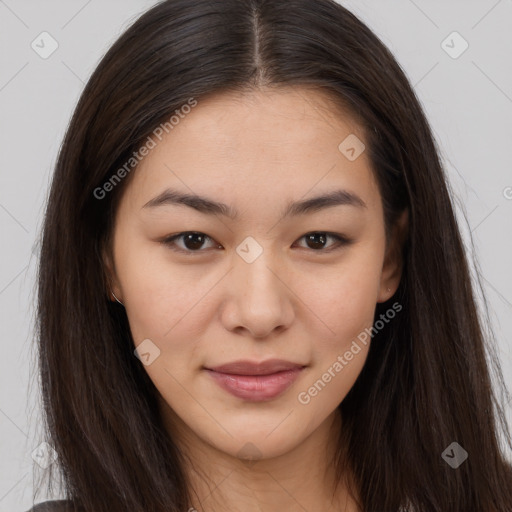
{"x": 192, "y": 241}
{"x": 317, "y": 240}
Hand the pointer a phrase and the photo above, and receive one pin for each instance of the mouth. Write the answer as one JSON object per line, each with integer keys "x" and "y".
{"x": 254, "y": 381}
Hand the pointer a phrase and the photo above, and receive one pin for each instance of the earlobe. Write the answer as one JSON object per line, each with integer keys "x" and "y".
{"x": 393, "y": 261}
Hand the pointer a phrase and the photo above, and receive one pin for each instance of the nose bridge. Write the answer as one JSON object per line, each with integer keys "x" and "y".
{"x": 253, "y": 268}
{"x": 258, "y": 295}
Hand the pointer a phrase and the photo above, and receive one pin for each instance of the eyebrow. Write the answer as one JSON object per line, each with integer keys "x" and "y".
{"x": 211, "y": 207}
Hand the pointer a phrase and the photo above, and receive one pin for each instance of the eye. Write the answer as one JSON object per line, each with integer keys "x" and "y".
{"x": 317, "y": 239}
{"x": 193, "y": 241}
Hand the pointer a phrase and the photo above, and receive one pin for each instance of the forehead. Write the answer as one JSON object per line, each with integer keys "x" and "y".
{"x": 254, "y": 144}
{"x": 271, "y": 119}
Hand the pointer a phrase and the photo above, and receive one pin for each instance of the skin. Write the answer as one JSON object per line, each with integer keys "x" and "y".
{"x": 255, "y": 152}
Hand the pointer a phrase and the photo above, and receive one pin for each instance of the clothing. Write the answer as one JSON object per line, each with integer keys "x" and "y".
{"x": 53, "y": 506}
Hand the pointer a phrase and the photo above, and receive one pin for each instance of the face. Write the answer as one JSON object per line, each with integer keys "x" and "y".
{"x": 270, "y": 275}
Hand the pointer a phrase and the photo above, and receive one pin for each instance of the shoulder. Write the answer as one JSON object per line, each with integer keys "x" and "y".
{"x": 53, "y": 506}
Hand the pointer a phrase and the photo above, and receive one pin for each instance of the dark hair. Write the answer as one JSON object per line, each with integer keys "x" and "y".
{"x": 426, "y": 382}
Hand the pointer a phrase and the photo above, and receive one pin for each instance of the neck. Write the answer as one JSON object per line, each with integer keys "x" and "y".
{"x": 302, "y": 479}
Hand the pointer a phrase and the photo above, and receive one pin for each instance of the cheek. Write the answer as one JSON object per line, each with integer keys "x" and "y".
{"x": 160, "y": 297}
{"x": 170, "y": 308}
{"x": 343, "y": 299}
{"x": 339, "y": 357}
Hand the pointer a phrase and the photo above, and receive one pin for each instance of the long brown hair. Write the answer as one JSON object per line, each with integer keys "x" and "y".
{"x": 427, "y": 380}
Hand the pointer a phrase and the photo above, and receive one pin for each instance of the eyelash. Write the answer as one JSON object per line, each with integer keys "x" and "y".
{"x": 342, "y": 241}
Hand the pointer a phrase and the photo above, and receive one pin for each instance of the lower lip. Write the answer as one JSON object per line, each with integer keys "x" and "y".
{"x": 256, "y": 388}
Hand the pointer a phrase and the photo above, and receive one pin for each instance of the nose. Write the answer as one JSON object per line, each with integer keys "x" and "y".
{"x": 258, "y": 298}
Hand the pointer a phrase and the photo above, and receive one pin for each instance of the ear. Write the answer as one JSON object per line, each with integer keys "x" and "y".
{"x": 110, "y": 276}
{"x": 393, "y": 260}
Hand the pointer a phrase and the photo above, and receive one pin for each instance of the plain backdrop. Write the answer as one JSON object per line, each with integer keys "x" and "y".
{"x": 466, "y": 93}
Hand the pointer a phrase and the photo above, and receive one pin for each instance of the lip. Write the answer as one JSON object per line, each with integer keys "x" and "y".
{"x": 255, "y": 381}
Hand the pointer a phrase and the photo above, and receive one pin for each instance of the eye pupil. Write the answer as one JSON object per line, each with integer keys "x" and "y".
{"x": 313, "y": 237}
{"x": 195, "y": 244}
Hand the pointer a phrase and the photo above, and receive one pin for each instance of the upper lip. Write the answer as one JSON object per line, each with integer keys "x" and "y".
{"x": 254, "y": 368}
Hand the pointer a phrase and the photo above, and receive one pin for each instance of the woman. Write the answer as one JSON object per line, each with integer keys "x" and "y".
{"x": 253, "y": 293}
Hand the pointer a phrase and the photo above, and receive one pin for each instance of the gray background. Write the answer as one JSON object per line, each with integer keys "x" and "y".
{"x": 468, "y": 101}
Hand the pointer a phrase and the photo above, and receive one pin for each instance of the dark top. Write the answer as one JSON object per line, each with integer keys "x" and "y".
{"x": 53, "y": 506}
